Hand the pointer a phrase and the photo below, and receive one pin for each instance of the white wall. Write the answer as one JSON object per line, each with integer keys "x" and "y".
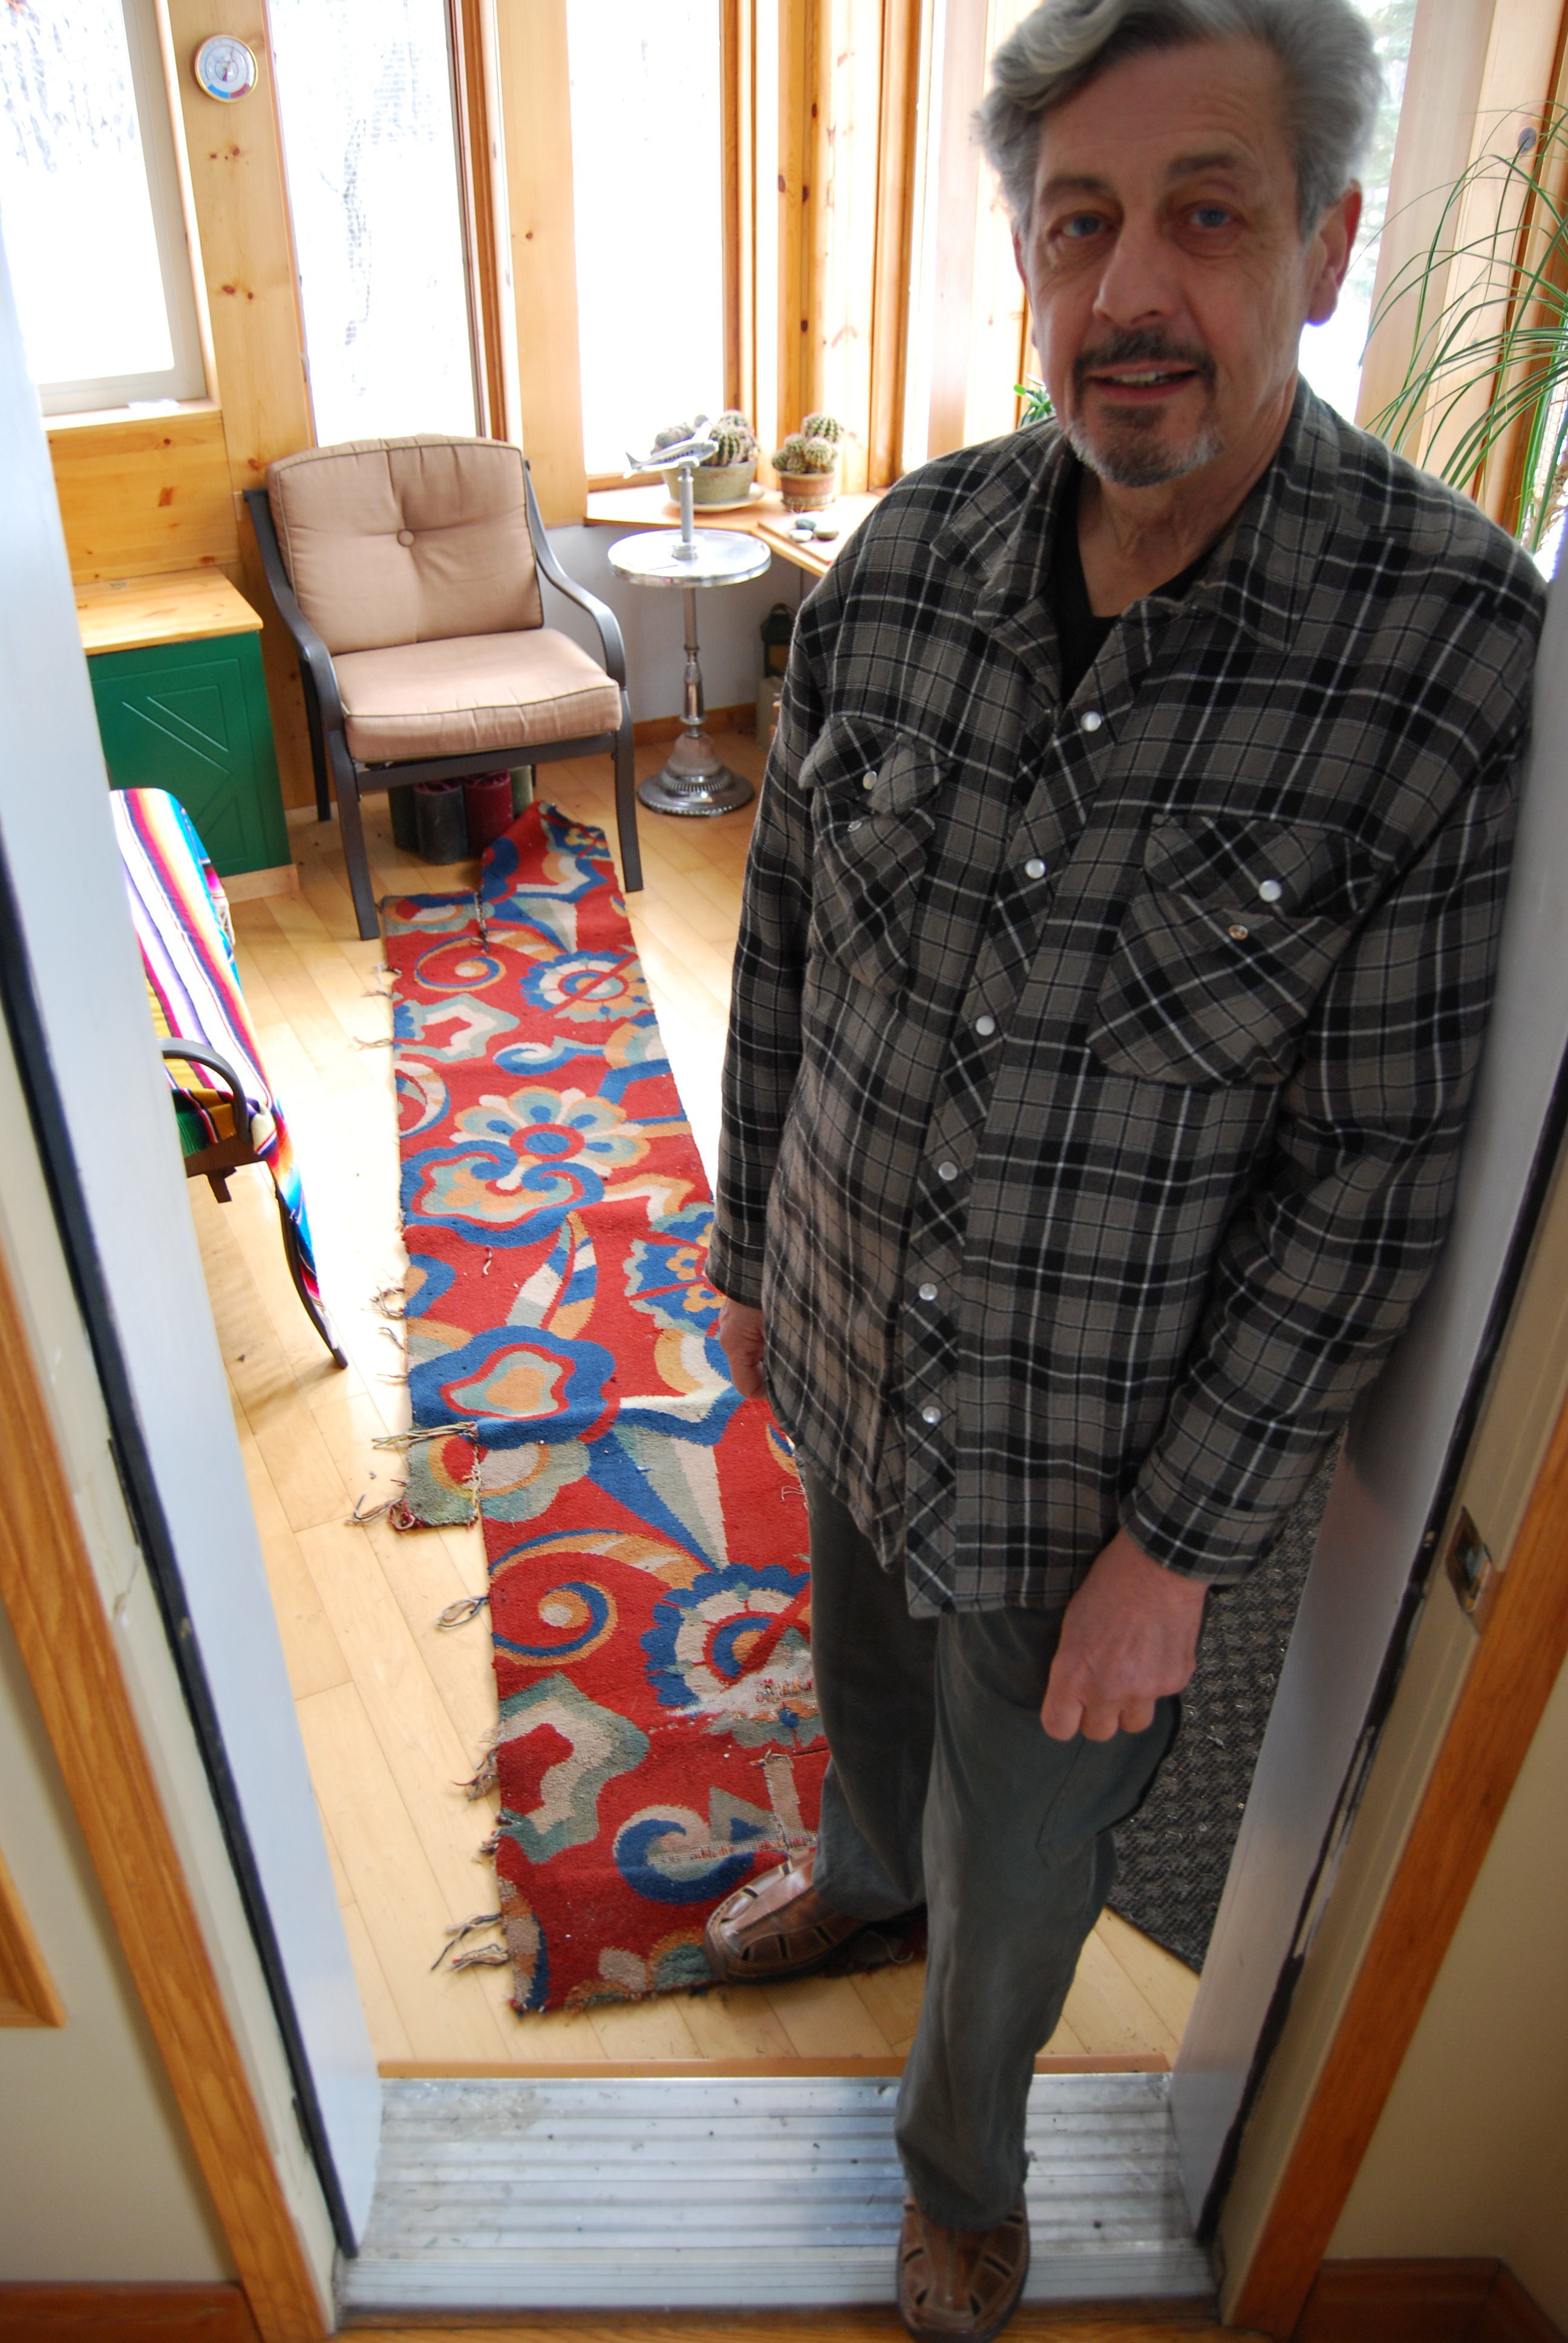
{"x": 96, "y": 2176}
{"x": 728, "y": 621}
{"x": 1471, "y": 2155}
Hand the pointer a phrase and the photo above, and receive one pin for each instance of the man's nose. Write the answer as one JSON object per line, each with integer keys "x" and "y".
{"x": 1136, "y": 282}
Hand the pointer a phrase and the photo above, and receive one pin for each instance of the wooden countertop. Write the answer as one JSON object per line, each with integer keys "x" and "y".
{"x": 764, "y": 517}
{"x": 134, "y": 613}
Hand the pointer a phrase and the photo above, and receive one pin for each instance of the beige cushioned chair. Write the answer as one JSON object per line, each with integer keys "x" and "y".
{"x": 408, "y": 572}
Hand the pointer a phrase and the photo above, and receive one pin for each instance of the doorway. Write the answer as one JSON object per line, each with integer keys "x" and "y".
{"x": 396, "y": 1710}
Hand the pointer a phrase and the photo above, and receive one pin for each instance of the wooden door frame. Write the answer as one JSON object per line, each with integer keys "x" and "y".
{"x": 51, "y": 1596}
{"x": 1517, "y": 1663}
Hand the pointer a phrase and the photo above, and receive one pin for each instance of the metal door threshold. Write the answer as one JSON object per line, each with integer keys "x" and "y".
{"x": 652, "y": 2193}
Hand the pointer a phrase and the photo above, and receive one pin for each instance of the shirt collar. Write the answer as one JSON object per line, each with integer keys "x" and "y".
{"x": 1257, "y": 577}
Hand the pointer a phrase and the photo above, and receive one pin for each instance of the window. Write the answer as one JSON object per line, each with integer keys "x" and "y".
{"x": 369, "y": 140}
{"x": 90, "y": 205}
{"x": 969, "y": 326}
{"x": 648, "y": 193}
{"x": 1332, "y": 354}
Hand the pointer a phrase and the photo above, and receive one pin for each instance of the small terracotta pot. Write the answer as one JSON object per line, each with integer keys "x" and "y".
{"x": 808, "y": 491}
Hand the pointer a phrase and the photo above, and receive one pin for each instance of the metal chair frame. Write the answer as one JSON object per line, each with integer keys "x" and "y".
{"x": 349, "y": 781}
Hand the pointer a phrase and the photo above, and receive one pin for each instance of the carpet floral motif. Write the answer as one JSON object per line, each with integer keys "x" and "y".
{"x": 649, "y": 1606}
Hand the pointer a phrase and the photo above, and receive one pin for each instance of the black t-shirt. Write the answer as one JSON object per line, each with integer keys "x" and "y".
{"x": 1080, "y": 630}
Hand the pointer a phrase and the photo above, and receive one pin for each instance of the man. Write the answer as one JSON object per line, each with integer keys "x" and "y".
{"x": 1117, "y": 945}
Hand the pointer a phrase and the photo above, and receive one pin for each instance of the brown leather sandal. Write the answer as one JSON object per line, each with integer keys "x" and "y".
{"x": 778, "y": 1927}
{"x": 963, "y": 2283}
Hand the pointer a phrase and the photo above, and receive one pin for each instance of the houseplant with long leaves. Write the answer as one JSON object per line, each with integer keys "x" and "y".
{"x": 1487, "y": 379}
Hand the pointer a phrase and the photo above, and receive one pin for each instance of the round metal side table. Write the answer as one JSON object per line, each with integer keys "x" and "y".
{"x": 695, "y": 779}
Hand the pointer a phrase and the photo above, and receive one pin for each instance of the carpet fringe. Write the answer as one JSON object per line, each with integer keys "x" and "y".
{"x": 456, "y": 1934}
{"x": 484, "y": 1957}
{"x": 458, "y": 1613}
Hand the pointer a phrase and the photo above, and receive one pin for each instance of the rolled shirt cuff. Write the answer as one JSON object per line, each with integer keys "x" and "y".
{"x": 735, "y": 1273}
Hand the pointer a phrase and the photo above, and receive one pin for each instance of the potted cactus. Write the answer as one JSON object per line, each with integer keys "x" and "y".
{"x": 724, "y": 477}
{"x": 808, "y": 464}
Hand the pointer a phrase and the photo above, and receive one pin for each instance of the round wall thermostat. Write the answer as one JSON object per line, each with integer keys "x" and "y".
{"x": 224, "y": 67}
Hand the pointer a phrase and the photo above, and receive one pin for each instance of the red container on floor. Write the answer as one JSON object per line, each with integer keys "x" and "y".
{"x": 487, "y": 803}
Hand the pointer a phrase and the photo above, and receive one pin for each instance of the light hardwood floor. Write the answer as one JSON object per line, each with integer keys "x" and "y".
{"x": 394, "y": 1709}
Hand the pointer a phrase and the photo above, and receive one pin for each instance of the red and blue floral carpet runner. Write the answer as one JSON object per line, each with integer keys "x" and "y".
{"x": 645, "y": 1531}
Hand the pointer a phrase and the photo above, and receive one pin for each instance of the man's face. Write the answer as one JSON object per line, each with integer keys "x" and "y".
{"x": 1165, "y": 265}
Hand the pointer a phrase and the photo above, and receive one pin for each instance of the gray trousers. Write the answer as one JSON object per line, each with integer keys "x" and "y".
{"x": 944, "y": 1790}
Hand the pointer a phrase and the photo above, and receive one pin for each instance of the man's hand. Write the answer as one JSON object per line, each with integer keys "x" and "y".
{"x": 1130, "y": 1636}
{"x": 742, "y": 1341}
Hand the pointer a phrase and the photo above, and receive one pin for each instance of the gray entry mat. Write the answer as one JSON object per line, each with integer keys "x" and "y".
{"x": 1172, "y": 1856}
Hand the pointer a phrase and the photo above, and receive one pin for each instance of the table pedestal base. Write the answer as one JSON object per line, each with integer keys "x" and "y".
{"x": 696, "y": 781}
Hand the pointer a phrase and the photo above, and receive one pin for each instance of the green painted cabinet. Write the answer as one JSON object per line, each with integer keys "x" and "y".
{"x": 191, "y": 718}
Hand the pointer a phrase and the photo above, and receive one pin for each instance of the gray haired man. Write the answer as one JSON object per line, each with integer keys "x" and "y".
{"x": 1117, "y": 946}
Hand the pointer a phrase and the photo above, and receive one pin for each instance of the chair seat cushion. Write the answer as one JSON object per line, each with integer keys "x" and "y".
{"x": 478, "y": 692}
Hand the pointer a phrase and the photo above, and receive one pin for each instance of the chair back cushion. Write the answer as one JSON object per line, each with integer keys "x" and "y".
{"x": 389, "y": 541}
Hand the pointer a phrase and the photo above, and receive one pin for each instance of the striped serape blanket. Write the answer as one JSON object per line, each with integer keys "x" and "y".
{"x": 183, "y": 926}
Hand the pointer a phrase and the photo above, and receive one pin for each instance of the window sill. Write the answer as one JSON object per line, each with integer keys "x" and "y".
{"x": 97, "y": 419}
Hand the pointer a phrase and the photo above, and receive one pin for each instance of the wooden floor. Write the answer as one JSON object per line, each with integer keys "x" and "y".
{"x": 394, "y": 1710}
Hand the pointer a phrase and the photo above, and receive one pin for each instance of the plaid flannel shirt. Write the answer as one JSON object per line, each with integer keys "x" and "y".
{"x": 1097, "y": 1072}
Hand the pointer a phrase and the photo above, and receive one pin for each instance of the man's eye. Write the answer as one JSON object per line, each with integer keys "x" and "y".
{"x": 1079, "y": 226}
{"x": 1212, "y": 215}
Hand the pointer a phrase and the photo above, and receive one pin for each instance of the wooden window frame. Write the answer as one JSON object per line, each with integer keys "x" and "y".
{"x": 781, "y": 78}
{"x": 472, "y": 43}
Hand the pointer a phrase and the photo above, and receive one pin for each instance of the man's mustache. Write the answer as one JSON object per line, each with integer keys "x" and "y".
{"x": 1148, "y": 347}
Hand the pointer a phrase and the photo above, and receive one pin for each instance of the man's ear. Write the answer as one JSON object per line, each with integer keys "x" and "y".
{"x": 1332, "y": 243}
{"x": 1018, "y": 254}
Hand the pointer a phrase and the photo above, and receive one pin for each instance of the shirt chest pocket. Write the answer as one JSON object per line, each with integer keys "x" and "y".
{"x": 1224, "y": 948}
{"x": 873, "y": 814}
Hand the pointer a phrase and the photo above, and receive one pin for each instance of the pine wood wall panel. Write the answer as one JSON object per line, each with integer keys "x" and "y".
{"x": 51, "y": 1596}
{"x": 801, "y": 36}
{"x": 893, "y": 260}
{"x": 841, "y": 217}
{"x": 144, "y": 494}
{"x": 737, "y": 134}
{"x": 536, "y": 116}
{"x": 235, "y": 157}
{"x": 27, "y": 1994}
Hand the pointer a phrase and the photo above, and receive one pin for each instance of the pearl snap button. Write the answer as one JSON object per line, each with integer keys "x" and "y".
{"x": 1237, "y": 935}
{"x": 856, "y": 825}
{"x": 931, "y": 1412}
{"x": 927, "y": 1292}
{"x": 986, "y": 1025}
{"x": 870, "y": 782}
{"x": 1034, "y": 867}
{"x": 1091, "y": 719}
{"x": 947, "y": 1171}
{"x": 1270, "y": 890}
{"x": 405, "y": 537}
